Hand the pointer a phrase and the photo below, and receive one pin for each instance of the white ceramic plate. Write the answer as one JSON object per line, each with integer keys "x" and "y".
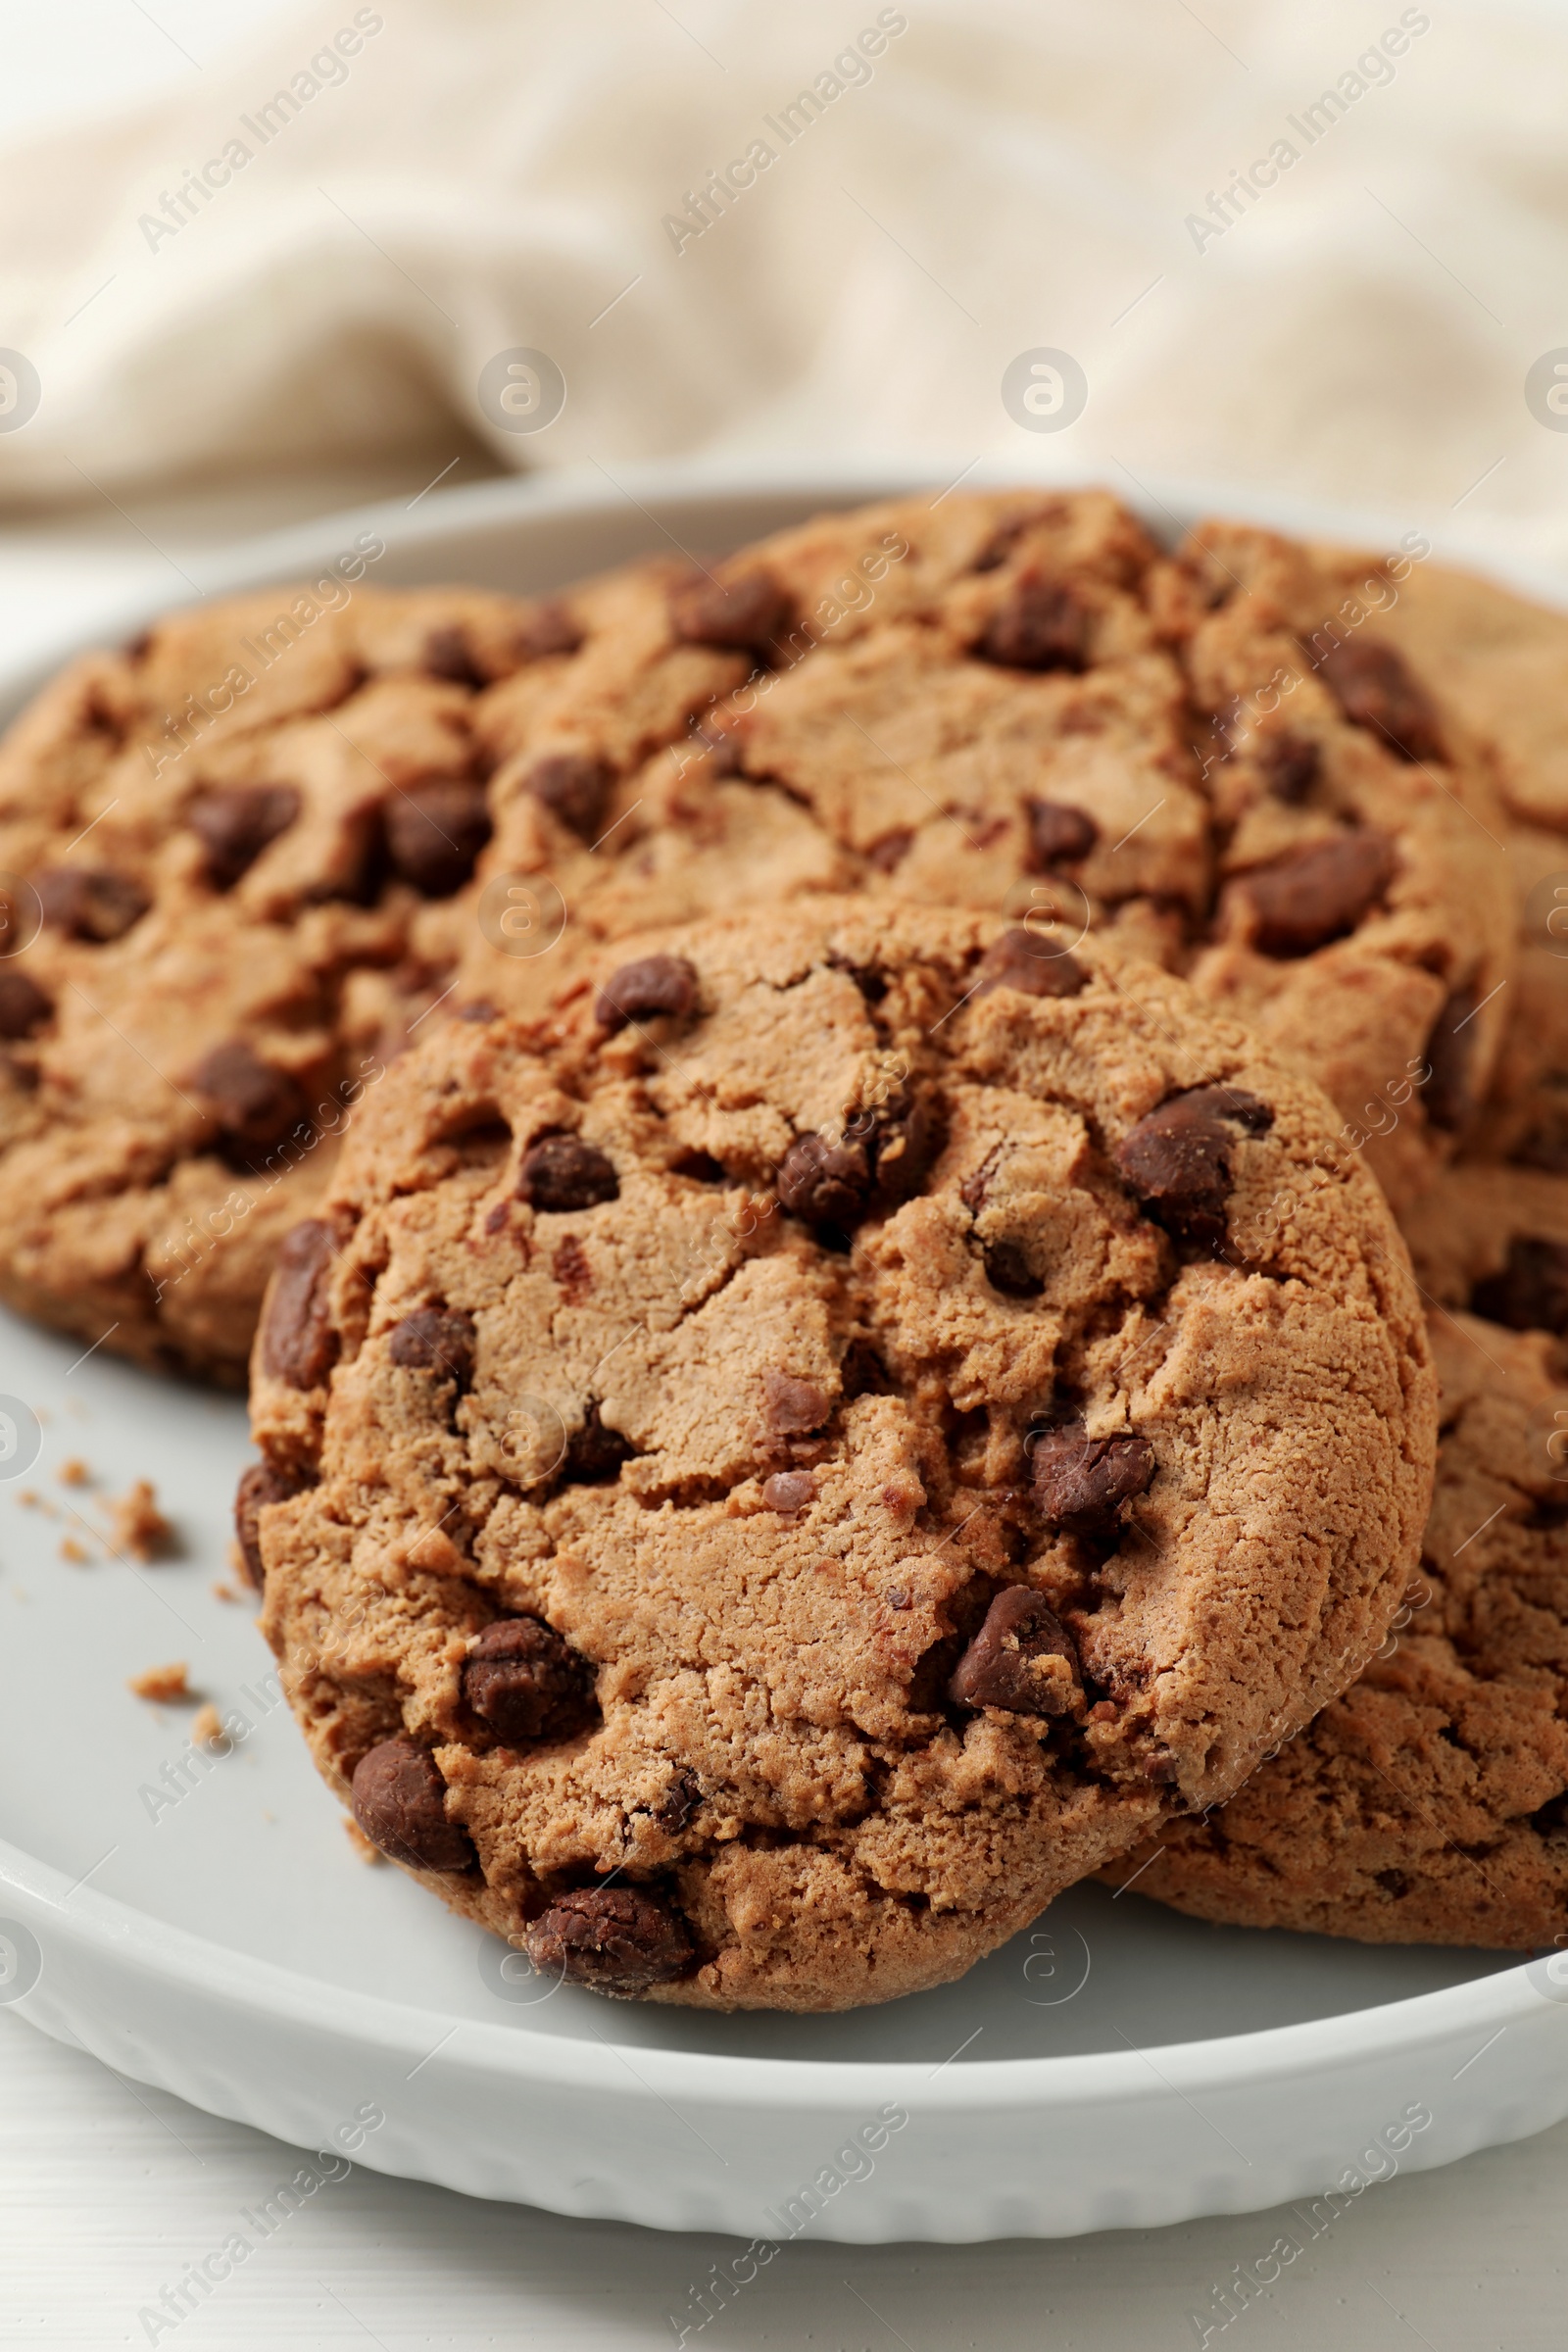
{"x": 208, "y": 1927}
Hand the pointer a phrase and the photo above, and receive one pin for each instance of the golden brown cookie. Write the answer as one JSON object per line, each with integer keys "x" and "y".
{"x": 1493, "y": 1238}
{"x": 773, "y": 1473}
{"x": 220, "y": 850}
{"x": 1430, "y": 1804}
{"x": 1014, "y": 702}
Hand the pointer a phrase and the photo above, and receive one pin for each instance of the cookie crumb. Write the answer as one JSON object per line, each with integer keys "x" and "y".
{"x": 74, "y": 1472}
{"x": 208, "y": 1729}
{"x": 161, "y": 1683}
{"x": 29, "y": 1499}
{"x": 360, "y": 1843}
{"x": 223, "y": 1591}
{"x": 76, "y": 1554}
{"x": 138, "y": 1525}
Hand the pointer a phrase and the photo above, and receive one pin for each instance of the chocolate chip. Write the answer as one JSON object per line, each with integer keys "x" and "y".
{"x": 614, "y": 1939}
{"x": 1020, "y": 961}
{"x": 679, "y": 1801}
{"x": 906, "y": 1138}
{"x": 522, "y": 1680}
{"x": 640, "y": 990}
{"x": 575, "y": 787}
{"x": 1291, "y": 765}
{"x": 263, "y": 1483}
{"x": 1318, "y": 893}
{"x": 400, "y": 1803}
{"x": 1041, "y": 625}
{"x": 257, "y": 1104}
{"x": 1057, "y": 834}
{"x": 92, "y": 902}
{"x": 448, "y": 654}
{"x": 548, "y": 629}
{"x": 436, "y": 1339}
{"x": 298, "y": 1343}
{"x": 1178, "y": 1159}
{"x": 1449, "y": 1054}
{"x": 793, "y": 1406}
{"x": 744, "y": 615}
{"x": 887, "y": 853}
{"x": 595, "y": 1453}
{"x": 1022, "y": 1659}
{"x": 1374, "y": 689}
{"x": 570, "y": 1267}
{"x": 1530, "y": 1293}
{"x": 827, "y": 1184}
{"x": 1080, "y": 1482}
{"x": 234, "y": 822}
{"x": 23, "y": 1006}
{"x": 1008, "y": 1270}
{"x": 789, "y": 1491}
{"x": 561, "y": 1172}
{"x": 434, "y": 833}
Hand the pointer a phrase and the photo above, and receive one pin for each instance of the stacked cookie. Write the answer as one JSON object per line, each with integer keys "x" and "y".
{"x": 848, "y": 1368}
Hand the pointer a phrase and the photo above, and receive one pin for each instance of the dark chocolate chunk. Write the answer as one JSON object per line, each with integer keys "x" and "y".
{"x": 887, "y": 855}
{"x": 449, "y": 654}
{"x": 1318, "y": 893}
{"x": 793, "y": 1405}
{"x": 263, "y": 1483}
{"x": 744, "y": 615}
{"x": 400, "y": 1803}
{"x": 679, "y": 1801}
{"x": 1041, "y": 625}
{"x": 614, "y": 1939}
{"x": 234, "y": 823}
{"x": 1374, "y": 689}
{"x": 1008, "y": 1270}
{"x": 436, "y": 1339}
{"x": 1531, "y": 1292}
{"x": 548, "y": 629}
{"x": 1022, "y": 1659}
{"x": 595, "y": 1453}
{"x": 1020, "y": 961}
{"x": 1057, "y": 834}
{"x": 1450, "y": 1053}
{"x": 827, "y": 1184}
{"x": 789, "y": 1491}
{"x": 91, "y": 902}
{"x": 640, "y": 990}
{"x": 434, "y": 833}
{"x": 23, "y": 1007}
{"x": 575, "y": 787}
{"x": 1177, "y": 1158}
{"x": 561, "y": 1172}
{"x": 257, "y": 1104}
{"x": 905, "y": 1137}
{"x": 1291, "y": 765}
{"x": 522, "y": 1680}
{"x": 1080, "y": 1482}
{"x": 299, "y": 1345}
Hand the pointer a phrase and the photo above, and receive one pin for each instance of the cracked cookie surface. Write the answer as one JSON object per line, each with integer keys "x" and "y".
{"x": 1015, "y": 702}
{"x": 778, "y": 1468}
{"x": 1430, "y": 1804}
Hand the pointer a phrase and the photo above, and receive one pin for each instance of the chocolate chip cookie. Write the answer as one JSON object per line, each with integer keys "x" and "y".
{"x": 1498, "y": 664}
{"x": 774, "y": 1470}
{"x": 1493, "y": 1238}
{"x": 226, "y": 857}
{"x": 1430, "y": 1804}
{"x": 1015, "y": 702}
